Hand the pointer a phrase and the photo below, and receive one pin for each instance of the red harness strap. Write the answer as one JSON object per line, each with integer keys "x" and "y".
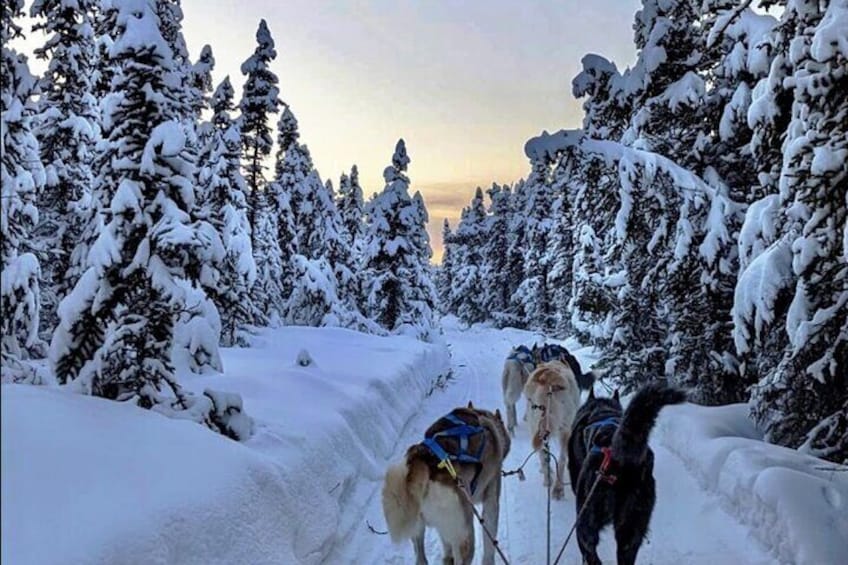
{"x": 604, "y": 469}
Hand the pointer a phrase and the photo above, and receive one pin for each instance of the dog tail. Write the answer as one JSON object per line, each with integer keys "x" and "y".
{"x": 404, "y": 488}
{"x": 630, "y": 442}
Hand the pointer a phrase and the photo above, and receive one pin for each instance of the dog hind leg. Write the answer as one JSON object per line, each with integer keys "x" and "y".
{"x": 545, "y": 462}
{"x": 511, "y": 418}
{"x": 631, "y": 521}
{"x": 447, "y": 511}
{"x": 418, "y": 545}
{"x": 559, "y": 488}
{"x": 588, "y": 534}
{"x": 459, "y": 541}
{"x": 491, "y": 513}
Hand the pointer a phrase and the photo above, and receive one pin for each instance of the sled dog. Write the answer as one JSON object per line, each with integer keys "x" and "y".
{"x": 604, "y": 439}
{"x": 517, "y": 367}
{"x": 420, "y": 491}
{"x": 554, "y": 352}
{"x": 552, "y": 418}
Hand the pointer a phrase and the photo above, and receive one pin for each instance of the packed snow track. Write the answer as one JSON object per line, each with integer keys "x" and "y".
{"x": 688, "y": 524}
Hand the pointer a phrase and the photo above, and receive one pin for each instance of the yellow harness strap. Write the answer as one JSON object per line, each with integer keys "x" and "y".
{"x": 446, "y": 464}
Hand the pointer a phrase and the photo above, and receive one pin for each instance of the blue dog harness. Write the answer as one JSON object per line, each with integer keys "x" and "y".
{"x": 522, "y": 354}
{"x": 611, "y": 421}
{"x": 463, "y": 431}
{"x": 605, "y": 469}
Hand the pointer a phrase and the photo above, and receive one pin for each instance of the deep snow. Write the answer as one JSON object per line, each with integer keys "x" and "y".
{"x": 795, "y": 504}
{"x": 86, "y": 480}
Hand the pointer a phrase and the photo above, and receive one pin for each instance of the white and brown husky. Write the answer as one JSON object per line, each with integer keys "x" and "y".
{"x": 420, "y": 491}
{"x": 517, "y": 367}
{"x": 552, "y": 417}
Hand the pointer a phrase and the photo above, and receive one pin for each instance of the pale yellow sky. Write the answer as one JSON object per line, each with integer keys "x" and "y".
{"x": 464, "y": 83}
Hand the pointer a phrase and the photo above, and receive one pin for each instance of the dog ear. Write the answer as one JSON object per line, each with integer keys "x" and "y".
{"x": 498, "y": 414}
{"x": 471, "y": 406}
{"x": 615, "y": 395}
{"x": 591, "y": 393}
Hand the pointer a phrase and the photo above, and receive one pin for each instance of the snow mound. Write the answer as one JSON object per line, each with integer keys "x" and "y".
{"x": 87, "y": 480}
{"x": 106, "y": 482}
{"x": 795, "y": 504}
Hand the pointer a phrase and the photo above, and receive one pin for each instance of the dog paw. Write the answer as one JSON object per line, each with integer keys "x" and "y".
{"x": 559, "y": 492}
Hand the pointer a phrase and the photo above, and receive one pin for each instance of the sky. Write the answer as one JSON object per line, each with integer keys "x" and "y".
{"x": 464, "y": 83}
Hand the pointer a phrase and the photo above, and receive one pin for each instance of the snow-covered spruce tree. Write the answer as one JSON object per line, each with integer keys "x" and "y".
{"x": 591, "y": 299}
{"x": 560, "y": 252}
{"x": 423, "y": 292}
{"x": 340, "y": 254}
{"x": 317, "y": 225}
{"x": 560, "y": 255}
{"x": 496, "y": 290}
{"x": 802, "y": 276}
{"x": 225, "y": 207}
{"x": 663, "y": 87}
{"x": 700, "y": 346}
{"x": 313, "y": 208}
{"x": 287, "y": 136}
{"x": 350, "y": 207}
{"x": 117, "y": 325}
{"x": 200, "y": 82}
{"x": 395, "y": 276}
{"x": 691, "y": 236}
{"x": 313, "y": 301}
{"x": 67, "y": 129}
{"x": 661, "y": 214}
{"x": 738, "y": 56}
{"x": 103, "y": 71}
{"x": 468, "y": 282}
{"x": 458, "y": 251}
{"x": 170, "y": 14}
{"x": 304, "y": 210}
{"x": 260, "y": 99}
{"x": 325, "y": 285}
{"x": 290, "y": 184}
{"x": 516, "y": 257}
{"x": 21, "y": 175}
{"x": 444, "y": 277}
{"x": 606, "y": 110}
{"x": 278, "y": 201}
{"x": 270, "y": 291}
{"x": 534, "y": 294}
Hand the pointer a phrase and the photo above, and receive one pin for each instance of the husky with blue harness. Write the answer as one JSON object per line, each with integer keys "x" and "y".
{"x": 517, "y": 367}
{"x": 458, "y": 464}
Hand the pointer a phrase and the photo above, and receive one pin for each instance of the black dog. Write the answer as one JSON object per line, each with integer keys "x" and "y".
{"x": 551, "y": 351}
{"x": 605, "y": 442}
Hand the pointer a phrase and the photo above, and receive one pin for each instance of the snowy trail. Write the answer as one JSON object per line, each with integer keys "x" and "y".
{"x": 688, "y": 525}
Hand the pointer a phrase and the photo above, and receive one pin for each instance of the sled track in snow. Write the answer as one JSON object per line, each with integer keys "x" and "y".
{"x": 688, "y": 525}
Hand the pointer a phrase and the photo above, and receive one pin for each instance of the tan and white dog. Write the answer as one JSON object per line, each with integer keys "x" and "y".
{"x": 517, "y": 368}
{"x": 552, "y": 418}
{"x": 418, "y": 492}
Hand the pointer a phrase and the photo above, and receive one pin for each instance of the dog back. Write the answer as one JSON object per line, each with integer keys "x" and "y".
{"x": 493, "y": 439}
{"x": 564, "y": 402}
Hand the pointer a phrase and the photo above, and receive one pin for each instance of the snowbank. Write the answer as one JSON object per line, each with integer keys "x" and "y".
{"x": 86, "y": 480}
{"x": 794, "y": 504}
